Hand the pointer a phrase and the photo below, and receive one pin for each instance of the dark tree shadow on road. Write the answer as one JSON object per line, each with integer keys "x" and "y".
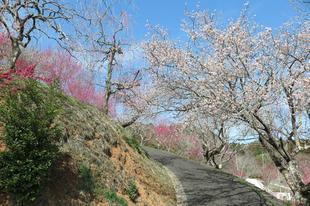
{"x": 208, "y": 186}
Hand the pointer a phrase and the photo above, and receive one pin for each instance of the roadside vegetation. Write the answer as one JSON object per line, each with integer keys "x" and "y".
{"x": 28, "y": 111}
{"x": 237, "y": 98}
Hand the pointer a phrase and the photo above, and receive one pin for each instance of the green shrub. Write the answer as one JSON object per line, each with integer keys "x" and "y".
{"x": 87, "y": 182}
{"x": 113, "y": 199}
{"x": 132, "y": 191}
{"x": 132, "y": 141}
{"x": 27, "y": 112}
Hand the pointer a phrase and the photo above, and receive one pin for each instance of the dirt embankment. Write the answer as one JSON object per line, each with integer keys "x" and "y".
{"x": 91, "y": 140}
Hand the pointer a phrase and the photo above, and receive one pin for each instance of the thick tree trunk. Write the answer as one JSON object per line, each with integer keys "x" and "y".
{"x": 15, "y": 53}
{"x": 293, "y": 179}
{"x": 288, "y": 167}
{"x": 209, "y": 157}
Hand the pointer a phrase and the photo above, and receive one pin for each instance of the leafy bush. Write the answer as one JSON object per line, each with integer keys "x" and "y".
{"x": 113, "y": 199}
{"x": 87, "y": 182}
{"x": 132, "y": 191}
{"x": 27, "y": 111}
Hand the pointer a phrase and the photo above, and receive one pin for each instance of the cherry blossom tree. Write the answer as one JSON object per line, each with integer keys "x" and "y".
{"x": 302, "y": 7}
{"x": 103, "y": 46}
{"x": 100, "y": 42}
{"x": 241, "y": 73}
{"x": 216, "y": 149}
{"x": 20, "y": 20}
{"x": 167, "y": 135}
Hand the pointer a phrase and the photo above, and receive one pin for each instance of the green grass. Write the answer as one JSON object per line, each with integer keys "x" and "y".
{"x": 110, "y": 196}
{"x": 132, "y": 141}
{"x": 86, "y": 182}
{"x": 113, "y": 199}
{"x": 132, "y": 190}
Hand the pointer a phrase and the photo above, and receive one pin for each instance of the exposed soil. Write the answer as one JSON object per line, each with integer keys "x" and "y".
{"x": 152, "y": 191}
{"x": 4, "y": 199}
{"x": 91, "y": 139}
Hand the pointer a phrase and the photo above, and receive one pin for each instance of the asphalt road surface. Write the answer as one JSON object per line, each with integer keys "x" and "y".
{"x": 203, "y": 185}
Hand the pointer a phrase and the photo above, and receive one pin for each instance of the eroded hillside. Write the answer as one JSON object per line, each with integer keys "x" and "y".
{"x": 97, "y": 167}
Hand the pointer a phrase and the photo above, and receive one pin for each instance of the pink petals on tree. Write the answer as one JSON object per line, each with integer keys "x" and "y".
{"x": 171, "y": 137}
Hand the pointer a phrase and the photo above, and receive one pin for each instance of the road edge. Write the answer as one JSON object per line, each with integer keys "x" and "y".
{"x": 179, "y": 190}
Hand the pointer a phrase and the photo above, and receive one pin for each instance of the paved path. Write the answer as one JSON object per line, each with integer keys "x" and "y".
{"x": 203, "y": 185}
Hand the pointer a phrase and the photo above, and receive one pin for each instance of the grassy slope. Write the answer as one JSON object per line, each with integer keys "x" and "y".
{"x": 91, "y": 140}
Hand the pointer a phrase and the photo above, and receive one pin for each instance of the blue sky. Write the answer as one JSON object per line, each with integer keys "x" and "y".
{"x": 170, "y": 13}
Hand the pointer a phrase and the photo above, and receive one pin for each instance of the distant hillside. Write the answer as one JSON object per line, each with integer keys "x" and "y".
{"x": 98, "y": 167}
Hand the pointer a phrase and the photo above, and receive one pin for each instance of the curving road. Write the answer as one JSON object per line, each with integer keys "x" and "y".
{"x": 202, "y": 185}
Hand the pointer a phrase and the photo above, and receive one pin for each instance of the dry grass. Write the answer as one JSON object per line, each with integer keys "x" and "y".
{"x": 91, "y": 139}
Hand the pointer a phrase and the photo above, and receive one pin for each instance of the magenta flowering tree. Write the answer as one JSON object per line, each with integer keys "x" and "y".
{"x": 167, "y": 136}
{"x": 23, "y": 69}
{"x": 8, "y": 77}
{"x": 83, "y": 91}
{"x": 49, "y": 66}
{"x": 71, "y": 77}
{"x": 173, "y": 137}
{"x": 194, "y": 148}
{"x": 58, "y": 66}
